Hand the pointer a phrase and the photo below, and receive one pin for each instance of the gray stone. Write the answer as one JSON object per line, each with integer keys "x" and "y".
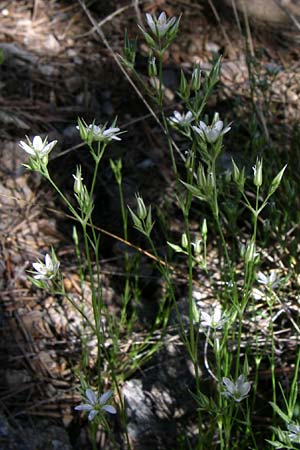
{"x": 159, "y": 404}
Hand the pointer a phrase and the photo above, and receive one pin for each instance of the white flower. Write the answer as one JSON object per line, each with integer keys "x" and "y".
{"x": 211, "y": 133}
{"x": 96, "y": 404}
{"x": 213, "y": 320}
{"x": 270, "y": 280}
{"x": 257, "y": 294}
{"x": 239, "y": 390}
{"x": 37, "y": 147}
{"x": 98, "y": 132}
{"x": 161, "y": 25}
{"x": 110, "y": 133}
{"x": 48, "y": 270}
{"x": 294, "y": 434}
{"x": 181, "y": 119}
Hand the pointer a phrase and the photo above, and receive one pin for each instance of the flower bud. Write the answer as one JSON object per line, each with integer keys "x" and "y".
{"x": 152, "y": 69}
{"x": 276, "y": 181}
{"x": 204, "y": 228}
{"x": 78, "y": 186}
{"x": 235, "y": 171}
{"x": 211, "y": 181}
{"x": 75, "y": 236}
{"x": 201, "y": 177}
{"x": 116, "y": 167}
{"x": 257, "y": 169}
{"x": 184, "y": 241}
{"x": 184, "y": 89}
{"x": 216, "y": 119}
{"x": 129, "y": 51}
{"x": 196, "y": 78}
{"x": 250, "y": 253}
{"x": 197, "y": 247}
{"x": 141, "y": 208}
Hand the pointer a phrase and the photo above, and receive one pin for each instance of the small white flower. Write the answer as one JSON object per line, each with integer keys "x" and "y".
{"x": 211, "y": 133}
{"x": 213, "y": 320}
{"x": 239, "y": 390}
{"x": 257, "y": 294}
{"x": 161, "y": 25}
{"x": 99, "y": 133}
{"x": 48, "y": 270}
{"x": 96, "y": 404}
{"x": 181, "y": 119}
{"x": 270, "y": 280}
{"x": 37, "y": 147}
{"x": 110, "y": 133}
{"x": 294, "y": 434}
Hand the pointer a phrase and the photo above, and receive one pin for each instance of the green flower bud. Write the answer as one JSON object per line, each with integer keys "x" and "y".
{"x": 75, "y": 236}
{"x": 201, "y": 177}
{"x": 196, "y": 78}
{"x": 197, "y": 247}
{"x": 116, "y": 167}
{"x": 141, "y": 208}
{"x": 276, "y": 181}
{"x": 250, "y": 253}
{"x": 129, "y": 51}
{"x": 152, "y": 69}
{"x": 78, "y": 186}
{"x": 235, "y": 171}
{"x": 184, "y": 89}
{"x": 204, "y": 228}
{"x": 257, "y": 169}
{"x": 184, "y": 241}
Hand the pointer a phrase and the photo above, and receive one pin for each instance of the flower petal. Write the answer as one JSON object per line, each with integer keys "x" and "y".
{"x": 198, "y": 131}
{"x": 39, "y": 267}
{"x": 203, "y": 126}
{"x": 229, "y": 385}
{"x": 110, "y": 409}
{"x": 47, "y": 149}
{"x": 48, "y": 263}
{"x": 40, "y": 277}
{"x": 218, "y": 125}
{"x": 262, "y": 278}
{"x": 104, "y": 397}
{"x": 205, "y": 319}
{"x": 228, "y": 128}
{"x": 37, "y": 143}
{"x": 26, "y": 148}
{"x": 212, "y": 135}
{"x": 84, "y": 407}
{"x": 162, "y": 17}
{"x": 91, "y": 396}
{"x": 217, "y": 314}
{"x": 92, "y": 414}
{"x": 150, "y": 22}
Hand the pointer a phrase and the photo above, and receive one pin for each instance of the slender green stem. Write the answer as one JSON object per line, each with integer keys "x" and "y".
{"x": 161, "y": 107}
{"x": 96, "y": 304}
{"x": 64, "y": 198}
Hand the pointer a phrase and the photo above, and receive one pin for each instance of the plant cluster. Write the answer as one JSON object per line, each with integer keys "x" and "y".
{"x": 226, "y": 417}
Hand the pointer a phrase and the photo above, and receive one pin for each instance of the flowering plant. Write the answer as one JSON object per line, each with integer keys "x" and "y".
{"x": 48, "y": 270}
{"x": 94, "y": 404}
{"x": 211, "y": 133}
{"x": 239, "y": 390}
